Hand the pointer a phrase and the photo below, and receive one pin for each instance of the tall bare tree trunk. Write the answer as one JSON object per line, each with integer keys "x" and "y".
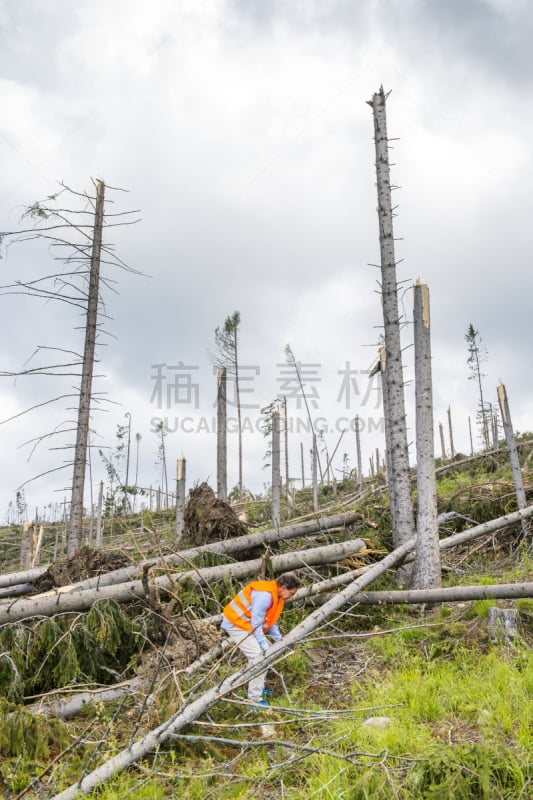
{"x": 180, "y": 497}
{"x": 26, "y": 544}
{"x": 99, "y": 515}
{"x": 84, "y": 409}
{"x": 302, "y": 460}
{"x": 426, "y": 571}
{"x": 222, "y": 449}
{"x": 400, "y": 482}
{"x": 314, "y": 476}
{"x": 513, "y": 452}
{"x": 286, "y": 440}
{"x": 450, "y": 429}
{"x": 442, "y": 445}
{"x": 276, "y": 471}
{"x": 388, "y": 440}
{"x": 358, "y": 453}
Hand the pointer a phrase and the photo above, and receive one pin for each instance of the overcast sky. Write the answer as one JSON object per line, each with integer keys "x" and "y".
{"x": 241, "y": 131}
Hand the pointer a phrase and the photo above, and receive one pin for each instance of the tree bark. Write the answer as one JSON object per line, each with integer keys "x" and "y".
{"x": 400, "y": 481}
{"x": 99, "y": 515}
{"x": 358, "y": 455}
{"x": 314, "y": 477}
{"x": 276, "y": 477}
{"x": 26, "y": 544}
{"x": 388, "y": 441}
{"x": 450, "y": 430}
{"x": 180, "y": 497}
{"x": 442, "y": 445}
{"x": 222, "y": 447}
{"x": 84, "y": 409}
{"x": 510, "y": 591}
{"x": 286, "y": 442}
{"x": 513, "y": 452}
{"x": 66, "y": 707}
{"x": 426, "y": 572}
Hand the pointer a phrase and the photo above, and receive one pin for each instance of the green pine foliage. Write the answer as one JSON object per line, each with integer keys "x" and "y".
{"x": 67, "y": 649}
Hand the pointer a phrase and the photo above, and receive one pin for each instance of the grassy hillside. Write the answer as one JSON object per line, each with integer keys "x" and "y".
{"x": 382, "y": 702}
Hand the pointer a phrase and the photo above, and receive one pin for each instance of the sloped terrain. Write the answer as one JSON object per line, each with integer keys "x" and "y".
{"x": 379, "y": 702}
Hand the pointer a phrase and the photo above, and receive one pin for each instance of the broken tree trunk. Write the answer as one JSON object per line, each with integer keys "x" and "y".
{"x": 194, "y": 708}
{"x": 426, "y": 572}
{"x": 513, "y": 452}
{"x": 180, "y": 497}
{"x": 276, "y": 474}
{"x": 359, "y": 461}
{"x": 98, "y": 538}
{"x": 485, "y": 527}
{"x": 222, "y": 448}
{"x": 450, "y": 431}
{"x": 509, "y": 591}
{"x": 66, "y": 707}
{"x": 314, "y": 477}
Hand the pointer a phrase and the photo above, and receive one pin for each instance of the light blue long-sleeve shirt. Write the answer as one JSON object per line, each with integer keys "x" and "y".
{"x": 261, "y": 602}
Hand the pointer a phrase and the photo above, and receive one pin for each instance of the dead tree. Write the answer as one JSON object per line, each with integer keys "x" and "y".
{"x": 426, "y": 571}
{"x": 358, "y": 455}
{"x": 276, "y": 486}
{"x": 381, "y": 367}
{"x": 286, "y": 442}
{"x": 222, "y": 446}
{"x": 227, "y": 355}
{"x": 513, "y": 452}
{"x": 76, "y": 234}
{"x": 399, "y": 480}
{"x": 450, "y": 430}
{"x": 84, "y": 408}
{"x": 314, "y": 477}
{"x": 180, "y": 497}
{"x": 291, "y": 361}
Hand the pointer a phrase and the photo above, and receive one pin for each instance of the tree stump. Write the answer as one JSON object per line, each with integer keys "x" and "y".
{"x": 503, "y": 625}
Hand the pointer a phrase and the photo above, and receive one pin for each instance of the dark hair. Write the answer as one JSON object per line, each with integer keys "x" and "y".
{"x": 288, "y": 580}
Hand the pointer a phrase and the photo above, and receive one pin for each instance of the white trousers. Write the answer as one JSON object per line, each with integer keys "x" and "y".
{"x": 248, "y": 644}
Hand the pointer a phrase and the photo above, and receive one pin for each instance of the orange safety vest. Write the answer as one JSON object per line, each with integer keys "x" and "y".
{"x": 239, "y": 611}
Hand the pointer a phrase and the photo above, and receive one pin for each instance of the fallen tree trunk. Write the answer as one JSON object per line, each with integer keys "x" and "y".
{"x": 14, "y": 578}
{"x": 194, "y": 708}
{"x": 510, "y": 591}
{"x": 480, "y": 530}
{"x": 65, "y": 707}
{"x": 486, "y": 527}
{"x": 225, "y": 547}
{"x": 57, "y": 602}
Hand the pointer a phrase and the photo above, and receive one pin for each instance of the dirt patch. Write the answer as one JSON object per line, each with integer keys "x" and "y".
{"x": 208, "y": 519}
{"x": 84, "y": 563}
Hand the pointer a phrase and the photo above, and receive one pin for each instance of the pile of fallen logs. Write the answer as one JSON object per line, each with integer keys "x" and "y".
{"x": 124, "y": 585}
